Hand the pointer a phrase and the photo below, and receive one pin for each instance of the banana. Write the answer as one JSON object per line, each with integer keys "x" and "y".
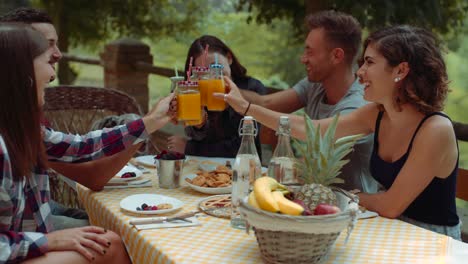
{"x": 263, "y": 187}
{"x": 286, "y": 206}
{"x": 253, "y": 200}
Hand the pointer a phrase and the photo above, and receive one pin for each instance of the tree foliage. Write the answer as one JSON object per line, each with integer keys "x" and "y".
{"x": 441, "y": 16}
{"x": 92, "y": 23}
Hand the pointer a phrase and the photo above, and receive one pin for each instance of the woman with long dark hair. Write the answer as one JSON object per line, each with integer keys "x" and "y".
{"x": 26, "y": 146}
{"x": 217, "y": 136}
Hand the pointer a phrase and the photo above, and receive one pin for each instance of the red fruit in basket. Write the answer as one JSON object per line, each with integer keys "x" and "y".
{"x": 324, "y": 209}
{"x": 154, "y": 207}
{"x": 163, "y": 152}
{"x": 306, "y": 208}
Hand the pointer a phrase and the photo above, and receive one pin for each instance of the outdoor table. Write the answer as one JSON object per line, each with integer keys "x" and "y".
{"x": 376, "y": 240}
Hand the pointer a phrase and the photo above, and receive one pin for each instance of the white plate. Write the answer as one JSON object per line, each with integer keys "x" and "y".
{"x": 118, "y": 176}
{"x": 130, "y": 203}
{"x": 147, "y": 160}
{"x": 208, "y": 190}
{"x": 209, "y": 163}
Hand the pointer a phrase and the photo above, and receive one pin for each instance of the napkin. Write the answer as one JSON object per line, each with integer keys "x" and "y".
{"x": 129, "y": 184}
{"x": 172, "y": 224}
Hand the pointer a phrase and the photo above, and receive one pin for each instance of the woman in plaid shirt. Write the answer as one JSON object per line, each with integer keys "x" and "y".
{"x": 25, "y": 70}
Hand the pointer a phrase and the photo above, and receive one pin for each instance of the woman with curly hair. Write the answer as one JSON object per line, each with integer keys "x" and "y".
{"x": 415, "y": 155}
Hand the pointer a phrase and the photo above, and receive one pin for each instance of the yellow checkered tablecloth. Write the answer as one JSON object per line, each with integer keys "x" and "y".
{"x": 377, "y": 240}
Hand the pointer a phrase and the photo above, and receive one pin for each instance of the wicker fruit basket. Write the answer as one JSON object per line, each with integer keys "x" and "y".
{"x": 299, "y": 239}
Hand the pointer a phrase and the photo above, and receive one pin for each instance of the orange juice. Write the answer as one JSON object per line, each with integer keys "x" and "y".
{"x": 193, "y": 122}
{"x": 212, "y": 103}
{"x": 203, "y": 86}
{"x": 188, "y": 106}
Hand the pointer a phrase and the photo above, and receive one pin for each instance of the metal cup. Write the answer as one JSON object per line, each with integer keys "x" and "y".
{"x": 169, "y": 173}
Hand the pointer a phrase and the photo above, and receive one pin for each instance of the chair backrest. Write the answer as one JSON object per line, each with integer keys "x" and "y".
{"x": 74, "y": 109}
{"x": 462, "y": 184}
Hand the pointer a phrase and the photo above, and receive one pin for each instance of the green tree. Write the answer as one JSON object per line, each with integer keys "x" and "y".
{"x": 89, "y": 23}
{"x": 441, "y": 16}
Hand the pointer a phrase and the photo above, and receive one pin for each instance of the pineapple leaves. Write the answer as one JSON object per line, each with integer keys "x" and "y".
{"x": 322, "y": 155}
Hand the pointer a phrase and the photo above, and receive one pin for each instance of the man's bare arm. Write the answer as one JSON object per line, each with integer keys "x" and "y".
{"x": 96, "y": 173}
{"x": 286, "y": 101}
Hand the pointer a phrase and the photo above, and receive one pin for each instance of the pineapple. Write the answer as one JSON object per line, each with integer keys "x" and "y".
{"x": 322, "y": 163}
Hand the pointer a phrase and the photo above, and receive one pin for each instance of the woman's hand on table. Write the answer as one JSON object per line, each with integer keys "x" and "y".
{"x": 176, "y": 143}
{"x": 234, "y": 97}
{"x": 84, "y": 240}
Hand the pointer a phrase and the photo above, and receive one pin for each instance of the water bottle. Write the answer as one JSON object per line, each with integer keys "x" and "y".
{"x": 281, "y": 165}
{"x": 246, "y": 169}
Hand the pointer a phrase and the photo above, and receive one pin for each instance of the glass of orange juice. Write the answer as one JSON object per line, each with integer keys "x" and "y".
{"x": 215, "y": 85}
{"x": 188, "y": 101}
{"x": 202, "y": 74}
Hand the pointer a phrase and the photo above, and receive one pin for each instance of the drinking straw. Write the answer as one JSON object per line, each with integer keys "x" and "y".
{"x": 188, "y": 75}
{"x": 176, "y": 71}
{"x": 190, "y": 68}
{"x": 205, "y": 54}
{"x": 216, "y": 58}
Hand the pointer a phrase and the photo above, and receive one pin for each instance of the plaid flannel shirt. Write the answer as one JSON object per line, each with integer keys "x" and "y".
{"x": 33, "y": 191}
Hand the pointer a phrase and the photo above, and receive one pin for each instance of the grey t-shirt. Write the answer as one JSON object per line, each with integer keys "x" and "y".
{"x": 356, "y": 173}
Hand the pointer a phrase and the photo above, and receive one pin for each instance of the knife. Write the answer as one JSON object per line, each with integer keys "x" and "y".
{"x": 158, "y": 220}
{"x": 128, "y": 183}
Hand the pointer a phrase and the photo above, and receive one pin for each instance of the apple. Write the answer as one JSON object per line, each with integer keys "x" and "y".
{"x": 306, "y": 208}
{"x": 324, "y": 209}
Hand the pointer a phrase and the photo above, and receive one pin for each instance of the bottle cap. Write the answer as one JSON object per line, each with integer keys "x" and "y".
{"x": 284, "y": 127}
{"x": 200, "y": 69}
{"x": 216, "y": 66}
{"x": 188, "y": 83}
{"x": 248, "y": 126}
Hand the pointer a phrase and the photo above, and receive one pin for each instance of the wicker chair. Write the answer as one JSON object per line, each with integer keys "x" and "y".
{"x": 74, "y": 109}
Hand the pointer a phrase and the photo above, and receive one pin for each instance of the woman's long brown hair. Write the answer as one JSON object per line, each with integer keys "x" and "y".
{"x": 19, "y": 109}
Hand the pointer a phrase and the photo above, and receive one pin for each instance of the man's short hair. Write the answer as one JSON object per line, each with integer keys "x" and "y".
{"x": 341, "y": 31}
{"x": 27, "y": 15}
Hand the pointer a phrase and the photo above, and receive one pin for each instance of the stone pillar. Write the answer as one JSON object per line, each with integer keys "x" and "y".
{"x": 119, "y": 58}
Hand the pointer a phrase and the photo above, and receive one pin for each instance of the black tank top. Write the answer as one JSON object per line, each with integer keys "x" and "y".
{"x": 436, "y": 204}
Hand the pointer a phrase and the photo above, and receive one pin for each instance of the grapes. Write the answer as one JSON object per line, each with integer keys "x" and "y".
{"x": 128, "y": 175}
{"x": 146, "y": 207}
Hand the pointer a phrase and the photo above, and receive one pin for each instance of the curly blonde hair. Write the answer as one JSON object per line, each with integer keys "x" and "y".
{"x": 426, "y": 85}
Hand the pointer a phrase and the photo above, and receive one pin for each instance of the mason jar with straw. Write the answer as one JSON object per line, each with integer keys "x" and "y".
{"x": 215, "y": 85}
{"x": 175, "y": 79}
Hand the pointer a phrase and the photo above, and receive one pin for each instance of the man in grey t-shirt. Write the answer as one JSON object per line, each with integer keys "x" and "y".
{"x": 356, "y": 173}
{"x": 330, "y": 88}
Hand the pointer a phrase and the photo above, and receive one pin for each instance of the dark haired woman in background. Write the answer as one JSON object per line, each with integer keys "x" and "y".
{"x": 218, "y": 135}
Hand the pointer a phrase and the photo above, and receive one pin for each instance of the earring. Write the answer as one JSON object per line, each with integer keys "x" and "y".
{"x": 397, "y": 79}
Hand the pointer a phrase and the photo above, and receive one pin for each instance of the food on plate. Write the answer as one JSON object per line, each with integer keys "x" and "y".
{"x": 221, "y": 177}
{"x": 128, "y": 175}
{"x": 162, "y": 206}
{"x": 223, "y": 201}
{"x": 217, "y": 205}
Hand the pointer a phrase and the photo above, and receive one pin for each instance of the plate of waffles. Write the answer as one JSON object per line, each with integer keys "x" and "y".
{"x": 216, "y": 205}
